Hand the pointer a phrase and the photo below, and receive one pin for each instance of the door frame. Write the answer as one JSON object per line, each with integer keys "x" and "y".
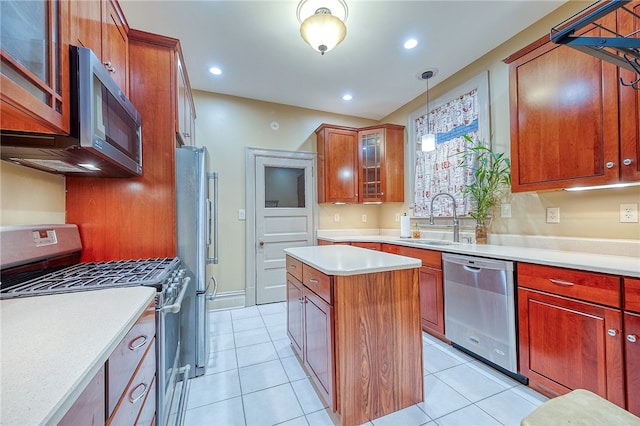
{"x": 250, "y": 208}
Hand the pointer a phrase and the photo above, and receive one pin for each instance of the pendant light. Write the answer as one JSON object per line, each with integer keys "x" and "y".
{"x": 428, "y": 140}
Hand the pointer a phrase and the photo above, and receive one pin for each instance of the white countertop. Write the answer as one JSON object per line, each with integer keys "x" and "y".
{"x": 618, "y": 265}
{"x": 347, "y": 260}
{"x": 52, "y": 346}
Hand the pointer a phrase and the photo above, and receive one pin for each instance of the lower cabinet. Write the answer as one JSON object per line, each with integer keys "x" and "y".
{"x": 570, "y": 331}
{"x": 367, "y": 245}
{"x": 295, "y": 314}
{"x": 88, "y": 410}
{"x": 632, "y": 343}
{"x": 318, "y": 348}
{"x": 431, "y": 287}
{"x": 123, "y": 392}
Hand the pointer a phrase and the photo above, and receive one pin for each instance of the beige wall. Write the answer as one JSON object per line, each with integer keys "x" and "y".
{"x": 227, "y": 125}
{"x": 30, "y": 196}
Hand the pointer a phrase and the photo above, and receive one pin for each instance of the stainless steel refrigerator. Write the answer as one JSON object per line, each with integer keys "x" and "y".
{"x": 196, "y": 222}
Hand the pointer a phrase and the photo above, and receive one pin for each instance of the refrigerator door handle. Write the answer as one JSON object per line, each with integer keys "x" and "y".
{"x": 214, "y": 177}
{"x": 215, "y": 288}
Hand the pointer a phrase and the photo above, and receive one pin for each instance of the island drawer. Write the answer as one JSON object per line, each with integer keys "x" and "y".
{"x": 587, "y": 286}
{"x": 632, "y": 294}
{"x": 294, "y": 267}
{"x": 317, "y": 282}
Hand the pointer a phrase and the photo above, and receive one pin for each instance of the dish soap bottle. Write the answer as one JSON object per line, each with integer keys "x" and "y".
{"x": 416, "y": 232}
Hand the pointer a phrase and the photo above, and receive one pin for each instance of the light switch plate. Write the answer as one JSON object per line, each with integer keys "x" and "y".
{"x": 505, "y": 210}
{"x": 241, "y": 214}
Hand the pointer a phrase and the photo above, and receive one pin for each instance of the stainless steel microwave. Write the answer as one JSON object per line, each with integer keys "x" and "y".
{"x": 105, "y": 138}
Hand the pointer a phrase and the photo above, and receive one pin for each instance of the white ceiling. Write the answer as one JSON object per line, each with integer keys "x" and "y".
{"x": 257, "y": 45}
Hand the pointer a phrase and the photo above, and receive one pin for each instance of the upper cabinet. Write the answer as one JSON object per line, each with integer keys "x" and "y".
{"x": 186, "y": 109}
{"x": 337, "y": 164}
{"x": 101, "y": 26}
{"x": 572, "y": 122}
{"x": 360, "y": 165}
{"x": 34, "y": 75}
{"x": 381, "y": 164}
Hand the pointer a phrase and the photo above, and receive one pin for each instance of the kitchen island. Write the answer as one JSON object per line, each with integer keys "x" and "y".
{"x": 53, "y": 346}
{"x": 353, "y": 318}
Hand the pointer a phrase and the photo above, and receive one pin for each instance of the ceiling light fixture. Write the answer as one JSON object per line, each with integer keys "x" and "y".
{"x": 322, "y": 23}
{"x": 411, "y": 43}
{"x": 428, "y": 140}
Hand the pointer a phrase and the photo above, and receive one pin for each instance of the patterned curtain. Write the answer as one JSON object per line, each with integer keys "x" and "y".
{"x": 436, "y": 171}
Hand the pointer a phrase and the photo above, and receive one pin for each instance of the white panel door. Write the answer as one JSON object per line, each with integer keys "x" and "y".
{"x": 284, "y": 219}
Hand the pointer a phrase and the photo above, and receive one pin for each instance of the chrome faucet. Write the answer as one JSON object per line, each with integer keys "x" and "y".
{"x": 456, "y": 227}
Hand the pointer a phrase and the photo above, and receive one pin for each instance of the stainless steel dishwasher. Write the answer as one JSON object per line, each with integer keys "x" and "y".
{"x": 479, "y": 310}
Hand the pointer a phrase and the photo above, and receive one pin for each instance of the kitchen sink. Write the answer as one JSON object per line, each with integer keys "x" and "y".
{"x": 434, "y": 242}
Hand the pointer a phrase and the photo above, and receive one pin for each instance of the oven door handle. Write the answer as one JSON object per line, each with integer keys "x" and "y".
{"x": 174, "y": 308}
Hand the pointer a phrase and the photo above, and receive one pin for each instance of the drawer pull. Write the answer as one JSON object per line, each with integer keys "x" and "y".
{"x": 293, "y": 266}
{"x": 632, "y": 338}
{"x": 313, "y": 281}
{"x": 561, "y": 282}
{"x": 142, "y": 389}
{"x": 138, "y": 342}
{"x": 612, "y": 332}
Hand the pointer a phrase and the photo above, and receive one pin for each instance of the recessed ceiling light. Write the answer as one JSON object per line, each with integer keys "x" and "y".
{"x": 347, "y": 97}
{"x": 411, "y": 43}
{"x": 215, "y": 70}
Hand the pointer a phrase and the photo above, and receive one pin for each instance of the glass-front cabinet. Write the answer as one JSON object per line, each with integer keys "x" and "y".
{"x": 370, "y": 165}
{"x": 33, "y": 79}
{"x": 381, "y": 163}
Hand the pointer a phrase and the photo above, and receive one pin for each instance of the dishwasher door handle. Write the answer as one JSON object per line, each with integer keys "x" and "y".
{"x": 473, "y": 269}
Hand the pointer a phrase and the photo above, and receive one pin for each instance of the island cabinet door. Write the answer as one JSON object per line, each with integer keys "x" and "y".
{"x": 295, "y": 303}
{"x": 318, "y": 347}
{"x": 567, "y": 344}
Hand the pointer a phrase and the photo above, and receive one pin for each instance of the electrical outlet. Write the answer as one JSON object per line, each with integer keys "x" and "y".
{"x": 505, "y": 210}
{"x": 397, "y": 217}
{"x": 241, "y": 214}
{"x": 629, "y": 213}
{"x": 553, "y": 214}
{"x": 336, "y": 217}
{"x": 364, "y": 217}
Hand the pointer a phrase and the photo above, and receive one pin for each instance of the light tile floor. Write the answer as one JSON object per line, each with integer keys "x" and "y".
{"x": 253, "y": 378}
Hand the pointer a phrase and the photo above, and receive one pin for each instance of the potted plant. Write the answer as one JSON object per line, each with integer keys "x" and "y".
{"x": 491, "y": 177}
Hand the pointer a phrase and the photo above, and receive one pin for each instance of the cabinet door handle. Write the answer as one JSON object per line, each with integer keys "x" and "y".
{"x": 626, "y": 161}
{"x": 560, "y": 282}
{"x": 313, "y": 281}
{"x": 138, "y": 342}
{"x": 612, "y": 332}
{"x": 293, "y": 267}
{"x": 142, "y": 389}
{"x": 632, "y": 338}
{"x": 609, "y": 164}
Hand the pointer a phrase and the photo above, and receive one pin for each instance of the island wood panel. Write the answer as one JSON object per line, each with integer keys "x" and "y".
{"x": 295, "y": 312}
{"x": 565, "y": 344}
{"x": 378, "y": 344}
{"x": 135, "y": 217}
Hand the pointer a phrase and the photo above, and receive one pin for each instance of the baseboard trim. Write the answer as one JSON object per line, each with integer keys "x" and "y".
{"x": 228, "y": 300}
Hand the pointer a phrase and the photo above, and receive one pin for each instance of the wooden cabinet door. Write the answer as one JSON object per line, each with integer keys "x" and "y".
{"x": 34, "y": 94}
{"x": 367, "y": 245}
{"x": 318, "y": 345}
{"x": 632, "y": 356}
{"x": 295, "y": 314}
{"x": 86, "y": 24}
{"x": 337, "y": 164}
{"x": 88, "y": 409}
{"x": 566, "y": 344}
{"x": 432, "y": 301}
{"x": 629, "y": 104}
{"x": 115, "y": 44}
{"x": 564, "y": 118}
{"x": 186, "y": 110}
{"x": 381, "y": 164}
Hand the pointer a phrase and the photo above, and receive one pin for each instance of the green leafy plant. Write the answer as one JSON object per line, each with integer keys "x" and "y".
{"x": 492, "y": 176}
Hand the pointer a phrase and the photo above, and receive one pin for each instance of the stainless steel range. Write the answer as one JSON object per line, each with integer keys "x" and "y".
{"x": 43, "y": 260}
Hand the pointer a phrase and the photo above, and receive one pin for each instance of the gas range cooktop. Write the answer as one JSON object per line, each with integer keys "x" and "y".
{"x": 92, "y": 276}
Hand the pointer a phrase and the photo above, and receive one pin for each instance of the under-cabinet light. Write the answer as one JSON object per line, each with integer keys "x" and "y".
{"x": 614, "y": 185}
